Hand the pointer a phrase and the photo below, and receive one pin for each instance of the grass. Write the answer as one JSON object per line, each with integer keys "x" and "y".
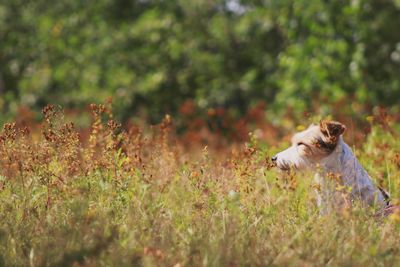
{"x": 140, "y": 198}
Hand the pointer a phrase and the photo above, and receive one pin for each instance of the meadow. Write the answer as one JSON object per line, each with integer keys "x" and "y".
{"x": 141, "y": 195}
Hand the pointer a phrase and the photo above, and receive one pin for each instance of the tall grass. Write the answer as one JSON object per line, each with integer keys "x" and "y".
{"x": 139, "y": 197}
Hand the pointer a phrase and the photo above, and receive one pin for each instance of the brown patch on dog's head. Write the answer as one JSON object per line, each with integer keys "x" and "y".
{"x": 332, "y": 129}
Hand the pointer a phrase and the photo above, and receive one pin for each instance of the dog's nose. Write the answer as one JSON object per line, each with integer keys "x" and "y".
{"x": 274, "y": 158}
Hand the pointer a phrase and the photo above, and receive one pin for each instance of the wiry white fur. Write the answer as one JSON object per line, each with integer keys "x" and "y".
{"x": 354, "y": 180}
{"x": 291, "y": 158}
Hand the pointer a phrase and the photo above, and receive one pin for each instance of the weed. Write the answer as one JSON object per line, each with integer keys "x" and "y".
{"x": 137, "y": 195}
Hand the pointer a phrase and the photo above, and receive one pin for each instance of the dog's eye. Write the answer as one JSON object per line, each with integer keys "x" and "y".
{"x": 303, "y": 148}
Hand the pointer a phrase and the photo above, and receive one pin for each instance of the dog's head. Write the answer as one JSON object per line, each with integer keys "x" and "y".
{"x": 310, "y": 146}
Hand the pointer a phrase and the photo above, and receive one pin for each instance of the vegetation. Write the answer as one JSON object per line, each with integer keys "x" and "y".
{"x": 136, "y": 187}
{"x": 140, "y": 196}
{"x": 153, "y": 55}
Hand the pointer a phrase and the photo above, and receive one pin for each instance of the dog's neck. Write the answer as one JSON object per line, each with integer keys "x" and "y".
{"x": 342, "y": 162}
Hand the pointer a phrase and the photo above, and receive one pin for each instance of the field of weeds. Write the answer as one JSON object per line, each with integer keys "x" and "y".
{"x": 141, "y": 196}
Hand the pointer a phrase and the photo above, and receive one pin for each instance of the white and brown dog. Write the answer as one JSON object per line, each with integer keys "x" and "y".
{"x": 340, "y": 177}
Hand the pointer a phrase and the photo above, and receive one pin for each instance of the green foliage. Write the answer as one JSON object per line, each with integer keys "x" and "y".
{"x": 151, "y": 55}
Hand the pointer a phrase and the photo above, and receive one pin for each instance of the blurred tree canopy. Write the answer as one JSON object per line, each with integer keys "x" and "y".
{"x": 152, "y": 55}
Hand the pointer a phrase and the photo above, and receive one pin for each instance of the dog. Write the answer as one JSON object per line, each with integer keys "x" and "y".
{"x": 340, "y": 178}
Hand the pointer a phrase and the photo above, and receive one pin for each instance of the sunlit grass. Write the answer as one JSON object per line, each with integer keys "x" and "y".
{"x": 137, "y": 197}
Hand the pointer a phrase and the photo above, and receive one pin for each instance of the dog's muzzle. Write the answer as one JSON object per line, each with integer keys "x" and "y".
{"x": 286, "y": 159}
{"x": 284, "y": 166}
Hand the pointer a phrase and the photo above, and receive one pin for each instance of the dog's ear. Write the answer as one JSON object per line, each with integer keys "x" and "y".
{"x": 332, "y": 129}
